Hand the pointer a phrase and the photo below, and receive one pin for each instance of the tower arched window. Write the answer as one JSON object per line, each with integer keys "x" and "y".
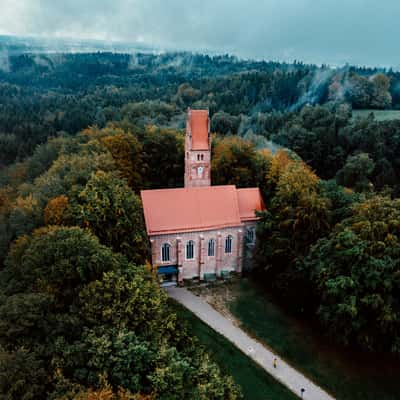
{"x": 202, "y": 157}
{"x": 228, "y": 244}
{"x": 211, "y": 248}
{"x": 166, "y": 252}
{"x": 190, "y": 250}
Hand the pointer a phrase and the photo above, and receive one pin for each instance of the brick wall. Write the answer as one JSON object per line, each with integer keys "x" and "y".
{"x": 192, "y": 162}
{"x": 202, "y": 263}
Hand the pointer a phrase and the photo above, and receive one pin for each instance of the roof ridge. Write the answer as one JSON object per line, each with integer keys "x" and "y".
{"x": 198, "y": 208}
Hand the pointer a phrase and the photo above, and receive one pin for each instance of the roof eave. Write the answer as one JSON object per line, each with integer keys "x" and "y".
{"x": 247, "y": 219}
{"x": 187, "y": 230}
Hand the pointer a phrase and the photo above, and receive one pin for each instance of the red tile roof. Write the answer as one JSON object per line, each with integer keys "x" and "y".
{"x": 197, "y": 208}
{"x": 198, "y": 122}
{"x": 249, "y": 199}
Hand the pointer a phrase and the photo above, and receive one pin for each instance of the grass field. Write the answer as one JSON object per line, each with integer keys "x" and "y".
{"x": 380, "y": 115}
{"x": 347, "y": 375}
{"x": 255, "y": 383}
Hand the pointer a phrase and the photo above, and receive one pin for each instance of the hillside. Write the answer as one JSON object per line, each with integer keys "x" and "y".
{"x": 49, "y": 95}
{"x": 81, "y": 134}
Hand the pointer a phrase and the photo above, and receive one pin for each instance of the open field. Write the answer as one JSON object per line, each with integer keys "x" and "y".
{"x": 380, "y": 115}
{"x": 347, "y": 375}
{"x": 255, "y": 383}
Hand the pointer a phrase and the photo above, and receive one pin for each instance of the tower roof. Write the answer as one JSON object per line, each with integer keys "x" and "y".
{"x": 198, "y": 123}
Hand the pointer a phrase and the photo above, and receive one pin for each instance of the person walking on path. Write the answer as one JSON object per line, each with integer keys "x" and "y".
{"x": 274, "y": 362}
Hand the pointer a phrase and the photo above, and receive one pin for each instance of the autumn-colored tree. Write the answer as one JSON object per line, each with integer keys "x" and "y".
{"x": 6, "y": 196}
{"x": 278, "y": 164}
{"x": 25, "y": 215}
{"x": 104, "y": 392}
{"x": 117, "y": 300}
{"x": 110, "y": 209}
{"x": 303, "y": 214}
{"x": 381, "y": 95}
{"x": 234, "y": 162}
{"x": 68, "y": 173}
{"x": 72, "y": 172}
{"x": 186, "y": 94}
{"x": 55, "y": 213}
{"x": 127, "y": 153}
{"x": 108, "y": 393}
{"x": 72, "y": 312}
{"x": 298, "y": 215}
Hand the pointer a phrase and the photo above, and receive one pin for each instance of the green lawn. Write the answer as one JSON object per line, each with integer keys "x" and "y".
{"x": 380, "y": 115}
{"x": 256, "y": 384}
{"x": 347, "y": 375}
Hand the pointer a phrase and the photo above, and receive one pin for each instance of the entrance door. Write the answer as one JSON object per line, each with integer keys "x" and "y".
{"x": 168, "y": 275}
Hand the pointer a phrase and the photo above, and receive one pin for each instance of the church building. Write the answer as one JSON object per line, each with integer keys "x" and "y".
{"x": 200, "y": 231}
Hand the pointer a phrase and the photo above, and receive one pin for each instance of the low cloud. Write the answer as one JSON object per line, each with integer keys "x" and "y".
{"x": 355, "y": 31}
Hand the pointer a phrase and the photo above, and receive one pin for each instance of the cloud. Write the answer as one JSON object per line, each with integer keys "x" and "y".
{"x": 335, "y": 32}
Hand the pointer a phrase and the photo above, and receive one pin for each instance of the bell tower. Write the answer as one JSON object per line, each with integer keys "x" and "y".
{"x": 197, "y": 149}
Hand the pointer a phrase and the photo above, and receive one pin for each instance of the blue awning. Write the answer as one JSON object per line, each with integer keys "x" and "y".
{"x": 170, "y": 269}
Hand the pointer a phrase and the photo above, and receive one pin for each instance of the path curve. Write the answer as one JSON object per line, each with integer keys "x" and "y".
{"x": 284, "y": 373}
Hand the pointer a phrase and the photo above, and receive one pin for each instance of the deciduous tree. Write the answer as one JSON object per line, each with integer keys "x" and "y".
{"x": 110, "y": 209}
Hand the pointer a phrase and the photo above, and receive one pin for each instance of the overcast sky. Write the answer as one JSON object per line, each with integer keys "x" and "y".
{"x": 365, "y": 32}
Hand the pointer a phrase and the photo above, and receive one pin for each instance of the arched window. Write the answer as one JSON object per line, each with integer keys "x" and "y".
{"x": 250, "y": 235}
{"x": 198, "y": 157}
{"x": 211, "y": 248}
{"x": 190, "y": 250}
{"x": 165, "y": 252}
{"x": 202, "y": 157}
{"x": 228, "y": 244}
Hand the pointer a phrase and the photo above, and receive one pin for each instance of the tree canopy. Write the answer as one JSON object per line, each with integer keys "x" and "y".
{"x": 81, "y": 314}
{"x": 74, "y": 313}
{"x": 356, "y": 274}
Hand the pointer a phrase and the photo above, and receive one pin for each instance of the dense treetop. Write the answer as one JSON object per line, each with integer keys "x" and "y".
{"x": 81, "y": 314}
{"x": 44, "y": 95}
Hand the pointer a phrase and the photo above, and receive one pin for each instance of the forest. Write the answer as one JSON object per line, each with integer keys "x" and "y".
{"x": 81, "y": 313}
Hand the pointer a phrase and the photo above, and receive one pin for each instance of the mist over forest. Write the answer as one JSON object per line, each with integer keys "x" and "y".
{"x": 86, "y": 125}
{"x": 273, "y": 104}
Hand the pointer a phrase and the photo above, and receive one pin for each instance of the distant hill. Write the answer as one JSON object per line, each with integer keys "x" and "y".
{"x": 54, "y": 88}
{"x": 15, "y": 45}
